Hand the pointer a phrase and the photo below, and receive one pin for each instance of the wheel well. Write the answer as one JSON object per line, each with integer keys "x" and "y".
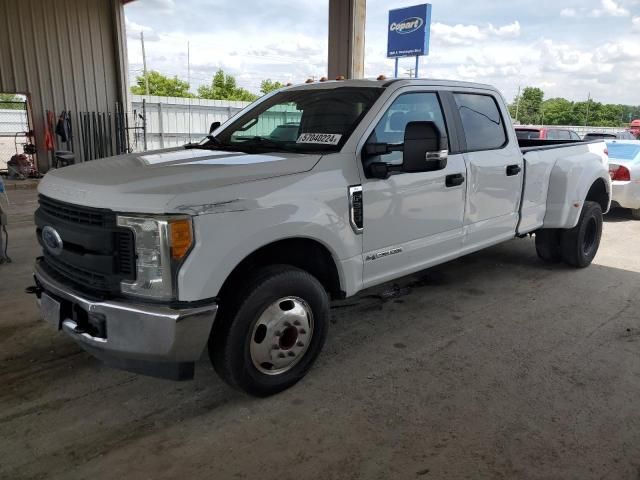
{"x": 305, "y": 254}
{"x": 598, "y": 193}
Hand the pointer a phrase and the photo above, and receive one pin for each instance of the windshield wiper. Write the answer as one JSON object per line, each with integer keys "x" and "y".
{"x": 212, "y": 144}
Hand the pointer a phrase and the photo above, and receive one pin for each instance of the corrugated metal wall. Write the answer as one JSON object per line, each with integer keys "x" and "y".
{"x": 65, "y": 55}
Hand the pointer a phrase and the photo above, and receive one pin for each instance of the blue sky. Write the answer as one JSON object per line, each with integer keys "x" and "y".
{"x": 568, "y": 48}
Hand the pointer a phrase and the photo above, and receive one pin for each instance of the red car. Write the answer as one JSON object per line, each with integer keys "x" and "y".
{"x": 546, "y": 133}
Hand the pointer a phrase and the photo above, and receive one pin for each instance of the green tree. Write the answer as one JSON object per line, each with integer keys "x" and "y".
{"x": 529, "y": 106}
{"x": 224, "y": 87}
{"x": 268, "y": 86}
{"x": 161, "y": 85}
{"x": 10, "y": 97}
{"x": 558, "y": 111}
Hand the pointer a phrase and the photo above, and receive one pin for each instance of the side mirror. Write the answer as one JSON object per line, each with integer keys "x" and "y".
{"x": 425, "y": 148}
{"x": 213, "y": 126}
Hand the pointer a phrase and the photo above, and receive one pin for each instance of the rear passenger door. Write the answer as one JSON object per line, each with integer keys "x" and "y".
{"x": 494, "y": 170}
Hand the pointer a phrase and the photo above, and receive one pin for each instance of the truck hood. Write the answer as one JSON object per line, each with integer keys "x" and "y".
{"x": 153, "y": 182}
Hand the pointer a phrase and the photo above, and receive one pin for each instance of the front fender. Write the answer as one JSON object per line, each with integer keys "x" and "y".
{"x": 224, "y": 240}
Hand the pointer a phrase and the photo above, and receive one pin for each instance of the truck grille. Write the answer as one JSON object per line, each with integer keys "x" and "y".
{"x": 97, "y": 255}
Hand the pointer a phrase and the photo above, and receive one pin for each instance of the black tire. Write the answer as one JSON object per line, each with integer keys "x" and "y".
{"x": 548, "y": 245}
{"x": 230, "y": 340}
{"x": 635, "y": 213}
{"x": 580, "y": 244}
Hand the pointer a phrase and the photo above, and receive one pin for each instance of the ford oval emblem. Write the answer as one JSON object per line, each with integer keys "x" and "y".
{"x": 408, "y": 25}
{"x": 52, "y": 241}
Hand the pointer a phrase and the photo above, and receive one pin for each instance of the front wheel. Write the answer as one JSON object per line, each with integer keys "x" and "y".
{"x": 270, "y": 336}
{"x": 635, "y": 213}
{"x": 580, "y": 244}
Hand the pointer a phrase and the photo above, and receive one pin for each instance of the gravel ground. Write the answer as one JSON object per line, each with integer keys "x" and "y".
{"x": 492, "y": 366}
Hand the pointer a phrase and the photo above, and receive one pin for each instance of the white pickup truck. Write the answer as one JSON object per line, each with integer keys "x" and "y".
{"x": 313, "y": 192}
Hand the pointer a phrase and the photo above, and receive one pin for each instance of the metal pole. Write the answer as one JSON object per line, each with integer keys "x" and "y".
{"x": 144, "y": 65}
{"x": 144, "y": 123}
{"x": 517, "y": 103}
{"x": 395, "y": 71}
{"x": 586, "y": 120}
{"x": 417, "y": 58}
{"x": 160, "y": 125}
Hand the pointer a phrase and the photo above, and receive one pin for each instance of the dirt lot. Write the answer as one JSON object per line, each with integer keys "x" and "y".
{"x": 493, "y": 366}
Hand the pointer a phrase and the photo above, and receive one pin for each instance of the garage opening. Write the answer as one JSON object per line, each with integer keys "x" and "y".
{"x": 17, "y": 150}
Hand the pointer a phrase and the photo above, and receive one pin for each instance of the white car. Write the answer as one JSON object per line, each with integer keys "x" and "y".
{"x": 624, "y": 168}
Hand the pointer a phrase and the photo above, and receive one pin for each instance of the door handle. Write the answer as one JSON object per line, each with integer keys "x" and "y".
{"x": 454, "y": 180}
{"x": 513, "y": 170}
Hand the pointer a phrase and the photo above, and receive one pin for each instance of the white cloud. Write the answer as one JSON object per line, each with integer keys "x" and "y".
{"x": 635, "y": 24}
{"x": 568, "y": 12}
{"x": 610, "y": 8}
{"x": 510, "y": 30}
{"x": 470, "y": 34}
{"x": 133, "y": 31}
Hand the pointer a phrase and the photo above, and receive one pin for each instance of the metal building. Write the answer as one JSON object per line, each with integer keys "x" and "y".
{"x": 70, "y": 55}
{"x": 64, "y": 55}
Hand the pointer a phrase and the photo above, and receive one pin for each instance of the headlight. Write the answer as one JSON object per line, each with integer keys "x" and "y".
{"x": 161, "y": 244}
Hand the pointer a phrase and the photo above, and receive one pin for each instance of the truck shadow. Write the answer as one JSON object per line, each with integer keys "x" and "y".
{"x": 619, "y": 215}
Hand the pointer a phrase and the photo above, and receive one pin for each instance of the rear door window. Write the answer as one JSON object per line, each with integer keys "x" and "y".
{"x": 481, "y": 120}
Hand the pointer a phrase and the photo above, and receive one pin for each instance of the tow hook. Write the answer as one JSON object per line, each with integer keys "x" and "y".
{"x": 33, "y": 290}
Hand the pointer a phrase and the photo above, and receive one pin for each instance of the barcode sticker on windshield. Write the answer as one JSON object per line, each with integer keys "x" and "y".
{"x": 321, "y": 138}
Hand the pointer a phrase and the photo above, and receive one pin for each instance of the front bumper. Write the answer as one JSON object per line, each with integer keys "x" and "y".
{"x": 151, "y": 339}
{"x": 626, "y": 194}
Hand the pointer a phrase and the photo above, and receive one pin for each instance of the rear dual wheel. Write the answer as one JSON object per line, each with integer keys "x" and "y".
{"x": 577, "y": 246}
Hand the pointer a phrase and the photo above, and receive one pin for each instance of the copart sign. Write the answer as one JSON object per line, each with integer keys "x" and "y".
{"x": 409, "y": 29}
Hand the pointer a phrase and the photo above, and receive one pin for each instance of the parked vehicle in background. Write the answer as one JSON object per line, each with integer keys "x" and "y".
{"x": 546, "y": 133}
{"x": 625, "y": 135}
{"x": 257, "y": 228}
{"x": 624, "y": 168}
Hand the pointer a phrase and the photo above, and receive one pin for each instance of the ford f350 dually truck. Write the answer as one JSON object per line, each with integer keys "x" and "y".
{"x": 313, "y": 192}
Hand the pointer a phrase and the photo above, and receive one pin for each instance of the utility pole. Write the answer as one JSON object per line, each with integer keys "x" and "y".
{"x": 189, "y": 82}
{"x": 410, "y": 72}
{"x": 517, "y": 104}
{"x": 586, "y": 120}
{"x": 144, "y": 65}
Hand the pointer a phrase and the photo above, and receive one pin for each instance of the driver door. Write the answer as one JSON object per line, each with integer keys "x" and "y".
{"x": 411, "y": 220}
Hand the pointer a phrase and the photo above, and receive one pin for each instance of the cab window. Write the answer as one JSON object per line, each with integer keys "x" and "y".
{"x": 408, "y": 107}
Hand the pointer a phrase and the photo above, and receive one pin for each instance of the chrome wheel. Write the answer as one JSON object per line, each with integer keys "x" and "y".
{"x": 281, "y": 336}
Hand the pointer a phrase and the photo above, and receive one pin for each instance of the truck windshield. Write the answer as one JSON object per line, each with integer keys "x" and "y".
{"x": 314, "y": 119}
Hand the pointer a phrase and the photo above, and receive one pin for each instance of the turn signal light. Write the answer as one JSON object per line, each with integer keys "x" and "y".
{"x": 619, "y": 173}
{"x": 181, "y": 235}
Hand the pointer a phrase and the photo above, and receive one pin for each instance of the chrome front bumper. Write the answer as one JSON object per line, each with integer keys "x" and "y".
{"x": 145, "y": 338}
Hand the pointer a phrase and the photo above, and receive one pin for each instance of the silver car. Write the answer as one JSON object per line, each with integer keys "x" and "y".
{"x": 624, "y": 168}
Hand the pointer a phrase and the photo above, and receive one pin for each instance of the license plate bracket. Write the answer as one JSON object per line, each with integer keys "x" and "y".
{"x": 50, "y": 309}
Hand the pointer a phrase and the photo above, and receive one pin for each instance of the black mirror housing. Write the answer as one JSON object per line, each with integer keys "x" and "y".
{"x": 213, "y": 126}
{"x": 425, "y": 148}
